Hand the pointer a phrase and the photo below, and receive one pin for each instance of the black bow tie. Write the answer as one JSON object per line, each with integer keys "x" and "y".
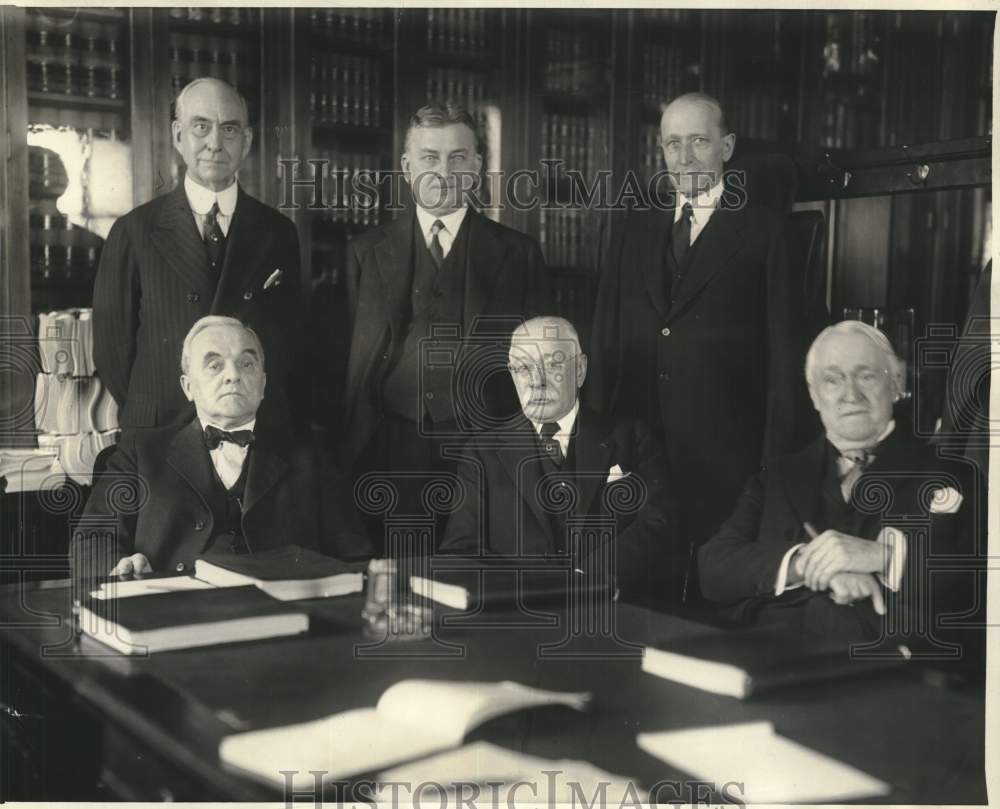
{"x": 214, "y": 436}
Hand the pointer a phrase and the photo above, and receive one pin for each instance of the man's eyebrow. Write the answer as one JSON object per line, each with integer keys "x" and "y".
{"x": 251, "y": 351}
{"x": 211, "y": 355}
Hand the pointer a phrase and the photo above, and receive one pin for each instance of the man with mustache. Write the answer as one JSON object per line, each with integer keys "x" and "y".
{"x": 815, "y": 539}
{"x": 206, "y": 247}
{"x": 222, "y": 482}
{"x": 555, "y": 464}
{"x": 431, "y": 298}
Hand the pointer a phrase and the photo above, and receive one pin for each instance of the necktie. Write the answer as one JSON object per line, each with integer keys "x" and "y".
{"x": 437, "y": 253}
{"x": 681, "y": 238}
{"x": 214, "y": 436}
{"x": 215, "y": 241}
{"x": 552, "y": 449}
{"x": 856, "y": 462}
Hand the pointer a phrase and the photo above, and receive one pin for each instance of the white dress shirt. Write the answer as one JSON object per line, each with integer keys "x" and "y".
{"x": 228, "y": 458}
{"x": 201, "y": 200}
{"x": 893, "y": 539}
{"x": 446, "y": 236}
{"x": 702, "y": 208}
{"x": 565, "y": 432}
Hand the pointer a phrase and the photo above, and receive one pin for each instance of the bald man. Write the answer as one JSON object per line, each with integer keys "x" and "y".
{"x": 518, "y": 479}
{"x": 205, "y": 248}
{"x": 698, "y": 325}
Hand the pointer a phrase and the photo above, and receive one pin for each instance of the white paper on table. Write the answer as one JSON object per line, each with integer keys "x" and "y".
{"x": 771, "y": 768}
{"x": 145, "y": 587}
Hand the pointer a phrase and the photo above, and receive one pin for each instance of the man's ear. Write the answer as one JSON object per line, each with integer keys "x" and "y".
{"x": 186, "y": 387}
{"x": 728, "y": 144}
{"x": 175, "y": 131}
{"x": 812, "y": 395}
{"x": 581, "y": 370}
{"x": 247, "y": 142}
{"x": 404, "y": 164}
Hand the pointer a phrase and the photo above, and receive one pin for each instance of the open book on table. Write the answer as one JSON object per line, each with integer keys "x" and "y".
{"x": 413, "y": 718}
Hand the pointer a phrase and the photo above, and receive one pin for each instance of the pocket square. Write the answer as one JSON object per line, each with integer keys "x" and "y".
{"x": 945, "y": 501}
{"x": 616, "y": 473}
{"x": 274, "y": 279}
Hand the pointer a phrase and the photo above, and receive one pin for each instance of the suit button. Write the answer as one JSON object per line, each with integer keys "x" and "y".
{"x": 429, "y": 395}
{"x": 179, "y": 567}
{"x": 664, "y": 376}
{"x": 192, "y": 297}
{"x": 247, "y": 295}
{"x": 199, "y": 526}
{"x": 665, "y": 332}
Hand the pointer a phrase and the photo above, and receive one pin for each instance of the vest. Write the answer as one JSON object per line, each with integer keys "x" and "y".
{"x": 437, "y": 297}
{"x": 227, "y": 513}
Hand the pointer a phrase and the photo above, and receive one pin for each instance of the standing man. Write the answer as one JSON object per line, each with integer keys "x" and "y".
{"x": 698, "y": 325}
{"x": 433, "y": 298}
{"x": 204, "y": 248}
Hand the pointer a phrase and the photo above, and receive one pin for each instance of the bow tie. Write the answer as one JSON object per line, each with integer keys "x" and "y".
{"x": 859, "y": 457}
{"x": 214, "y": 436}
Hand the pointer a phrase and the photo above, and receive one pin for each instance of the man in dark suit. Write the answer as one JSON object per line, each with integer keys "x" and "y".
{"x": 831, "y": 537}
{"x": 559, "y": 465}
{"x": 432, "y": 298}
{"x": 698, "y": 325}
{"x": 220, "y": 482}
{"x": 204, "y": 248}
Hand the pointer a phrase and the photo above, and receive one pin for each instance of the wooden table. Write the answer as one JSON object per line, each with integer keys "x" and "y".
{"x": 149, "y": 729}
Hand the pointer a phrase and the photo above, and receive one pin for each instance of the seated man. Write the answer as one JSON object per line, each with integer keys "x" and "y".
{"x": 218, "y": 482}
{"x": 527, "y": 484}
{"x": 812, "y": 540}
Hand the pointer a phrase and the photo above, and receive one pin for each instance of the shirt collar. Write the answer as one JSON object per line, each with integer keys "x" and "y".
{"x": 702, "y": 206}
{"x": 845, "y": 446}
{"x": 451, "y": 221}
{"x": 247, "y": 426}
{"x": 566, "y": 423}
{"x": 201, "y": 199}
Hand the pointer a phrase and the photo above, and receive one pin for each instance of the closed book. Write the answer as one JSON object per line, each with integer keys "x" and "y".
{"x": 183, "y": 620}
{"x": 288, "y": 573}
{"x": 739, "y": 664}
{"x": 502, "y": 584}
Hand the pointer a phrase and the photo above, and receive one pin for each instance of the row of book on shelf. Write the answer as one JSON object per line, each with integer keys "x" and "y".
{"x": 351, "y": 187}
{"x": 82, "y": 59}
{"x": 458, "y": 31}
{"x": 229, "y": 58}
{"x": 244, "y": 598}
{"x": 562, "y": 233}
{"x": 579, "y": 141}
{"x": 365, "y": 26}
{"x": 464, "y": 87}
{"x": 345, "y": 90}
{"x": 575, "y": 62}
{"x": 662, "y": 74}
{"x": 215, "y": 16}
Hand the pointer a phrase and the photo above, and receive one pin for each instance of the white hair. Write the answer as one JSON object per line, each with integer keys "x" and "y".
{"x": 894, "y": 364}
{"x": 182, "y": 97}
{"x": 546, "y": 327}
{"x": 208, "y": 322}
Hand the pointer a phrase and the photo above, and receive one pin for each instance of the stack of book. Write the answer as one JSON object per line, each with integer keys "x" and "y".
{"x": 456, "y": 31}
{"x": 345, "y": 90}
{"x": 75, "y": 415}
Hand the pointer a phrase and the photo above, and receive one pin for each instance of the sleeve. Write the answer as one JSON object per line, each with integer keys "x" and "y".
{"x": 788, "y": 420}
{"x": 540, "y": 294}
{"x": 106, "y": 531}
{"x": 605, "y": 338}
{"x": 734, "y": 565}
{"x": 467, "y": 530}
{"x": 781, "y": 584}
{"x": 116, "y": 308}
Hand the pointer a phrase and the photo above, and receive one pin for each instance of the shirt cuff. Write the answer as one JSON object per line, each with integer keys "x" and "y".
{"x": 895, "y": 541}
{"x": 779, "y": 585}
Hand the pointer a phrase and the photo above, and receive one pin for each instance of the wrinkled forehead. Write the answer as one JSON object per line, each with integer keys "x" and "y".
{"x": 223, "y": 340}
{"x": 213, "y": 103}
{"x": 850, "y": 352}
{"x": 541, "y": 349}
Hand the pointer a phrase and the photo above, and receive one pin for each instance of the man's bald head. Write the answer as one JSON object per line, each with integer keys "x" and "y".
{"x": 548, "y": 366}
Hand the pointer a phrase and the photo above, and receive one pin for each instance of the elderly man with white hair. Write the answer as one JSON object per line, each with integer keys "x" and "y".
{"x": 527, "y": 484}
{"x": 817, "y": 537}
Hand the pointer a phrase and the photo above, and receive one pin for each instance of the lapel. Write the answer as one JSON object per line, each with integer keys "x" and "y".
{"x": 247, "y": 247}
{"x": 267, "y": 466}
{"x": 189, "y": 457}
{"x": 392, "y": 260}
{"x": 484, "y": 253}
{"x": 650, "y": 244}
{"x": 801, "y": 476}
{"x": 521, "y": 459}
{"x": 176, "y": 238}
{"x": 720, "y": 239}
{"x": 592, "y": 450}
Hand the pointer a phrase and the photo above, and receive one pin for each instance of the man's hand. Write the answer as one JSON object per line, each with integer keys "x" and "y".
{"x": 135, "y": 565}
{"x": 833, "y": 552}
{"x": 846, "y": 588}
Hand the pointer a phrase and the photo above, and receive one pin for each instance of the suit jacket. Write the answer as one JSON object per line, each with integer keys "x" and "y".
{"x": 154, "y": 282}
{"x": 157, "y": 492}
{"x": 506, "y": 510}
{"x": 739, "y": 565}
{"x": 718, "y": 371}
{"x": 504, "y": 282}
